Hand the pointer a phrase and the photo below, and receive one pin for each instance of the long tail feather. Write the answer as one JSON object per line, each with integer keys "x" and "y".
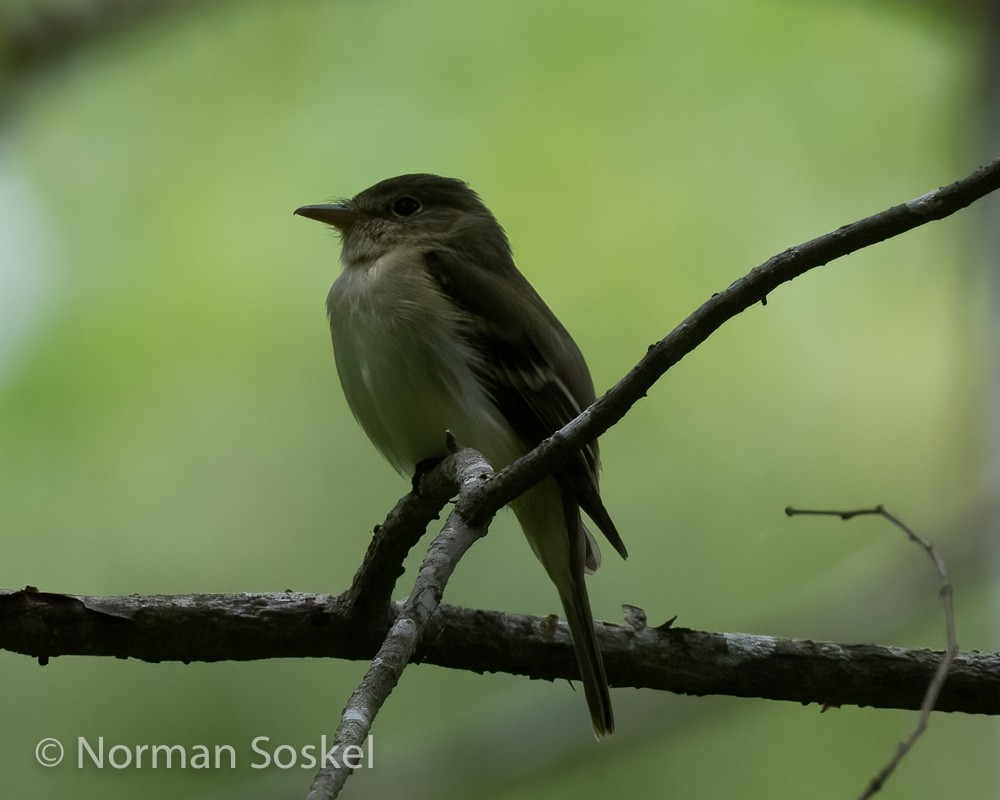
{"x": 551, "y": 520}
{"x": 588, "y": 657}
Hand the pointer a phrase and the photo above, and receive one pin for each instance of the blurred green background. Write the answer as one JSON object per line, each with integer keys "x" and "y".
{"x": 170, "y": 418}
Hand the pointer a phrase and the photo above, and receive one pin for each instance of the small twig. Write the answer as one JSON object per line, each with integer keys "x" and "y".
{"x": 950, "y": 653}
{"x": 400, "y": 644}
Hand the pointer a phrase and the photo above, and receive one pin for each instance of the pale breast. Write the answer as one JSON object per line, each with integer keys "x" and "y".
{"x": 406, "y": 368}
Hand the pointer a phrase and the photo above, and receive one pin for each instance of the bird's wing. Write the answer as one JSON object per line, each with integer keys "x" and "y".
{"x": 530, "y": 365}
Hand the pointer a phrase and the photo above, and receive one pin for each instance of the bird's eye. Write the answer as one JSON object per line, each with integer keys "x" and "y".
{"x": 405, "y": 206}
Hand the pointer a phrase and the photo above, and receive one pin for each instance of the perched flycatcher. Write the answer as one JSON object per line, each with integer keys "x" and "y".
{"x": 435, "y": 329}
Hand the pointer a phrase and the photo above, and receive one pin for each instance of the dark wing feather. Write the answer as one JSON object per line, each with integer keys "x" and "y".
{"x": 533, "y": 370}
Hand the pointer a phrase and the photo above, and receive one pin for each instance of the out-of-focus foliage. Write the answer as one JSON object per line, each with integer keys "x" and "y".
{"x": 170, "y": 419}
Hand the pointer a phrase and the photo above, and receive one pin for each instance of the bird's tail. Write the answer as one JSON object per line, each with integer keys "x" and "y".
{"x": 556, "y": 533}
{"x": 588, "y": 656}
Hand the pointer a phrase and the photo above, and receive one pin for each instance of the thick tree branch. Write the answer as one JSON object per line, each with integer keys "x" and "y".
{"x": 295, "y": 625}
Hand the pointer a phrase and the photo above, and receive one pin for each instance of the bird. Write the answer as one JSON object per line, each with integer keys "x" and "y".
{"x": 435, "y": 329}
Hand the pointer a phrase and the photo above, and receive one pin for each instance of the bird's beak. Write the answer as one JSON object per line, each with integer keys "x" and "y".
{"x": 339, "y": 215}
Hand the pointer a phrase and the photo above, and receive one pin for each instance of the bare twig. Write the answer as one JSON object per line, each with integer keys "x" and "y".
{"x": 936, "y": 684}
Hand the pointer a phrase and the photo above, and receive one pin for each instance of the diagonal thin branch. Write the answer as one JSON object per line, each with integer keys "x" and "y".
{"x": 752, "y": 288}
{"x": 400, "y": 644}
